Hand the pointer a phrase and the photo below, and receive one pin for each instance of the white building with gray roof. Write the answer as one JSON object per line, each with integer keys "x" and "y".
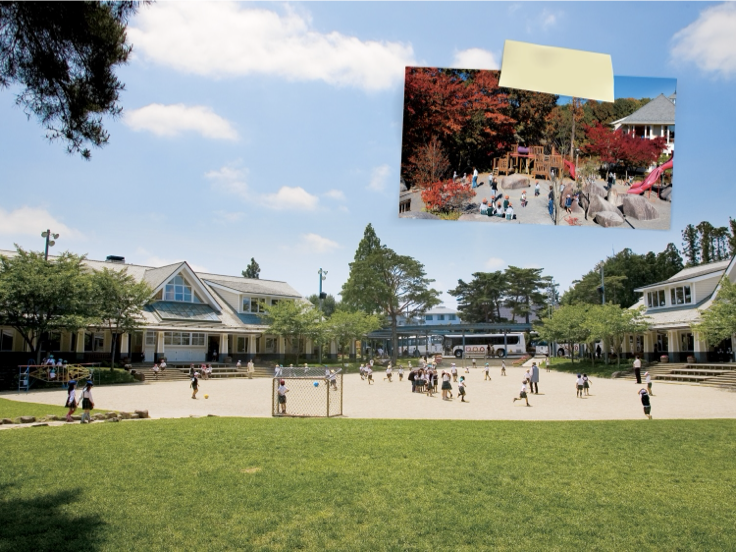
{"x": 652, "y": 120}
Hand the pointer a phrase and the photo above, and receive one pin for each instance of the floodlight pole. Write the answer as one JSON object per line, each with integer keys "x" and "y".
{"x": 49, "y": 242}
{"x": 322, "y": 277}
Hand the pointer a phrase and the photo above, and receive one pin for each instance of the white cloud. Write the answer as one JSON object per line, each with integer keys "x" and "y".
{"x": 227, "y": 39}
{"x": 549, "y": 20}
{"x": 709, "y": 41}
{"x": 317, "y": 244}
{"x": 336, "y": 195}
{"x": 290, "y": 198}
{"x": 231, "y": 180}
{"x": 31, "y": 221}
{"x": 494, "y": 263}
{"x": 379, "y": 176}
{"x": 172, "y": 120}
{"x": 475, "y": 58}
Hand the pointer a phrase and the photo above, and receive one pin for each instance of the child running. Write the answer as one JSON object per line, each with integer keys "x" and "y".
{"x": 648, "y": 381}
{"x": 461, "y": 388}
{"x": 71, "y": 400}
{"x": 87, "y": 403}
{"x": 369, "y": 374}
{"x": 389, "y": 371}
{"x": 401, "y": 373}
{"x": 194, "y": 384}
{"x": 453, "y": 370}
{"x": 522, "y": 393}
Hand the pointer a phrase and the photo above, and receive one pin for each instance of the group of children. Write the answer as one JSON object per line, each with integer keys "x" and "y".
{"x": 582, "y": 385}
{"x": 72, "y": 403}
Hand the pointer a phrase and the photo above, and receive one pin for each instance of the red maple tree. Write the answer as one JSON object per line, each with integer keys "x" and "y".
{"x": 617, "y": 146}
{"x": 448, "y": 195}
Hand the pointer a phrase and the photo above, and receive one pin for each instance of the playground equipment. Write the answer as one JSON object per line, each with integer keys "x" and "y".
{"x": 532, "y": 161}
{"x": 651, "y": 178}
{"x": 28, "y": 373}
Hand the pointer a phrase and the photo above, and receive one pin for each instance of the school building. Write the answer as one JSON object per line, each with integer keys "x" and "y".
{"x": 192, "y": 317}
{"x": 673, "y": 307}
{"x": 652, "y": 120}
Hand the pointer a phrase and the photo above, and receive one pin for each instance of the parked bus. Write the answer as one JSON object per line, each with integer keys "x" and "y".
{"x": 486, "y": 345}
{"x": 416, "y": 346}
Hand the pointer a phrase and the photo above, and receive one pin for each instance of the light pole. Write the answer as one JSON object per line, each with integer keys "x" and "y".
{"x": 322, "y": 278}
{"x": 49, "y": 242}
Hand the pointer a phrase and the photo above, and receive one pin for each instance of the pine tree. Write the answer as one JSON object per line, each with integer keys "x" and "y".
{"x": 691, "y": 245}
{"x": 252, "y": 271}
{"x": 706, "y": 241}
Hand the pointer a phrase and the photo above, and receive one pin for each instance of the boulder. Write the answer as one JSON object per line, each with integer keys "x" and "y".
{"x": 134, "y": 416}
{"x": 6, "y": 421}
{"x": 53, "y": 418}
{"x": 596, "y": 188}
{"x": 76, "y": 417}
{"x": 110, "y": 415}
{"x": 607, "y": 219}
{"x": 638, "y": 207}
{"x": 99, "y": 416}
{"x": 515, "y": 181}
{"x": 418, "y": 215}
{"x": 124, "y": 415}
{"x": 666, "y": 193}
{"x": 140, "y": 376}
{"x": 27, "y": 419}
{"x": 142, "y": 413}
{"x": 616, "y": 198}
{"x": 598, "y": 204}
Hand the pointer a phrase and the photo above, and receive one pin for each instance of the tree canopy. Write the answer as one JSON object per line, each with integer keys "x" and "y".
{"x": 719, "y": 321}
{"x": 296, "y": 320}
{"x": 329, "y": 304}
{"x": 63, "y": 56}
{"x": 253, "y": 270}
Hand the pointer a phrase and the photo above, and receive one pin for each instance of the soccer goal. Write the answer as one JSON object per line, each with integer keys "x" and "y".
{"x": 311, "y": 393}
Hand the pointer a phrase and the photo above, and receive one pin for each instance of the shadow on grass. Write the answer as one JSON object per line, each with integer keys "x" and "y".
{"x": 40, "y": 524}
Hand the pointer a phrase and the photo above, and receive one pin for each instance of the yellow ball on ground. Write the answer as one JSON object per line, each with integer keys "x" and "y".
{"x": 206, "y": 396}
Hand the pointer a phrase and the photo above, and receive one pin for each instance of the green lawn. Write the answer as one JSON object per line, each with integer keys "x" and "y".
{"x": 341, "y": 484}
{"x": 12, "y": 409}
{"x": 598, "y": 369}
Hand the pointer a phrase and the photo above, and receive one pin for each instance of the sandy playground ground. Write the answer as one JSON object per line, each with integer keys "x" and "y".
{"x": 488, "y": 400}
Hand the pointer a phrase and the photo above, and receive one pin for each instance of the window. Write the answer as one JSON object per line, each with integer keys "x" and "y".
{"x": 451, "y": 317}
{"x": 270, "y": 344}
{"x": 440, "y": 317}
{"x": 241, "y": 344}
{"x": 183, "y": 339}
{"x": 150, "y": 338}
{"x": 671, "y": 128}
{"x": 274, "y": 301}
{"x": 94, "y": 341}
{"x": 655, "y": 299}
{"x": 178, "y": 289}
{"x": 428, "y": 317}
{"x": 254, "y": 304}
{"x": 680, "y": 295}
{"x": 6, "y": 340}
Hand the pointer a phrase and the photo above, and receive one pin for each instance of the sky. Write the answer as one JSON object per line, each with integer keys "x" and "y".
{"x": 273, "y": 131}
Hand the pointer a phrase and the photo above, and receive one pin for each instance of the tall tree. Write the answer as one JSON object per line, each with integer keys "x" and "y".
{"x": 367, "y": 246}
{"x": 329, "y": 304}
{"x": 118, "y": 302}
{"x": 525, "y": 291}
{"x": 529, "y": 111}
{"x": 38, "y": 296}
{"x": 705, "y": 229}
{"x": 253, "y": 270}
{"x": 392, "y": 285}
{"x": 480, "y": 300}
{"x": 669, "y": 262}
{"x": 63, "y": 56}
{"x": 294, "y": 320}
{"x": 732, "y": 236}
{"x": 610, "y": 323}
{"x": 691, "y": 245}
{"x": 719, "y": 321}
{"x": 346, "y": 327}
{"x": 568, "y": 324}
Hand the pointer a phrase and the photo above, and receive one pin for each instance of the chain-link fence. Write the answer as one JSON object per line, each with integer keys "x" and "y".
{"x": 309, "y": 393}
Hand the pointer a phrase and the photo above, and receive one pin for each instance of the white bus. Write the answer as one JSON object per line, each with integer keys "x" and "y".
{"x": 486, "y": 345}
{"x": 416, "y": 346}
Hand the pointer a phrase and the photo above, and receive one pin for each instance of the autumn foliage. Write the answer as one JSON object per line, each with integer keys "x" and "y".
{"x": 616, "y": 147}
{"x": 446, "y": 195}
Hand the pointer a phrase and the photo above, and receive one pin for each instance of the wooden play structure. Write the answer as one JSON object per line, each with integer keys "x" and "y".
{"x": 532, "y": 161}
{"x": 27, "y": 373}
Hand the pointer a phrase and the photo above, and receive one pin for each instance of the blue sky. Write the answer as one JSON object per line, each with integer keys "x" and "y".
{"x": 274, "y": 130}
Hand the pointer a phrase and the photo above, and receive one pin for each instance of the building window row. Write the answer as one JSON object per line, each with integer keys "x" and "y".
{"x": 681, "y": 295}
{"x": 188, "y": 339}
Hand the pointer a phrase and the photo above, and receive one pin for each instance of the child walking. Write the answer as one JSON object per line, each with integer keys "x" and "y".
{"x": 401, "y": 373}
{"x": 579, "y": 384}
{"x": 486, "y": 370}
{"x": 503, "y": 367}
{"x": 87, "y": 403}
{"x": 71, "y": 400}
{"x": 461, "y": 388}
{"x": 194, "y": 385}
{"x": 586, "y": 384}
{"x": 648, "y": 380}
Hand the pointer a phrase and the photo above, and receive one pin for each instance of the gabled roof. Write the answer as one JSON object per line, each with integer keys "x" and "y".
{"x": 659, "y": 111}
{"x": 692, "y": 273}
{"x": 154, "y": 277}
{"x": 254, "y": 286}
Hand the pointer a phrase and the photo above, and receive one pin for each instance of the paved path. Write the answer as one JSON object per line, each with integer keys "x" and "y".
{"x": 610, "y": 400}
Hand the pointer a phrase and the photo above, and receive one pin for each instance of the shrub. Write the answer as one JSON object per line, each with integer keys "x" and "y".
{"x": 444, "y": 196}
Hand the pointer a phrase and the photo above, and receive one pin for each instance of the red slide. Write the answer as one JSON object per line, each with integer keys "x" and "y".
{"x": 651, "y": 178}
{"x": 570, "y": 168}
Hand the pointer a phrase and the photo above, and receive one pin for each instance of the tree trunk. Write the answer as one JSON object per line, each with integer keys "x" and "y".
{"x": 394, "y": 339}
{"x": 114, "y": 347}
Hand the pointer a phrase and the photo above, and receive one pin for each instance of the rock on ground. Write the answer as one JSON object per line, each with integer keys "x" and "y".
{"x": 666, "y": 193}
{"x": 607, "y": 219}
{"x": 515, "y": 181}
{"x": 418, "y": 215}
{"x": 598, "y": 204}
{"x": 596, "y": 189}
{"x": 639, "y": 208}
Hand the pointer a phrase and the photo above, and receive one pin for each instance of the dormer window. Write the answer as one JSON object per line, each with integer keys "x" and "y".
{"x": 254, "y": 304}
{"x": 680, "y": 295}
{"x": 655, "y": 299}
{"x": 178, "y": 289}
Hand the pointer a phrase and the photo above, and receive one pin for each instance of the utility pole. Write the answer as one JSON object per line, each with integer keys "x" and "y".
{"x": 322, "y": 277}
{"x": 49, "y": 242}
{"x": 602, "y": 290}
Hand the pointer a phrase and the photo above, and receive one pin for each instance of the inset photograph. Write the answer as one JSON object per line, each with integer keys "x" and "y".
{"x": 472, "y": 150}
